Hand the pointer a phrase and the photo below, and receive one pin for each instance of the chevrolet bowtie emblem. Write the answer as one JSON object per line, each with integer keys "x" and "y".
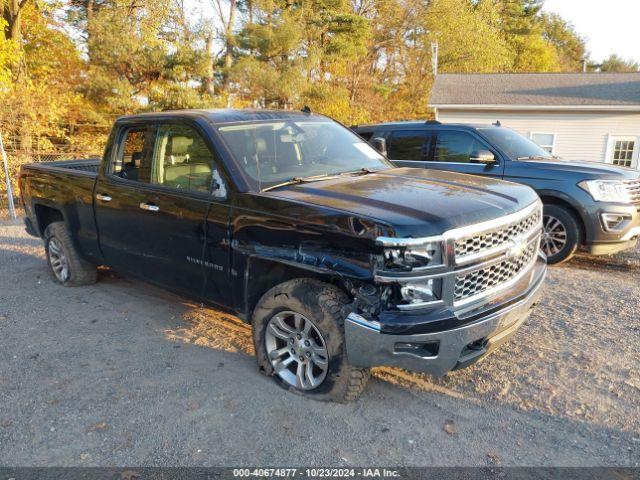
{"x": 519, "y": 246}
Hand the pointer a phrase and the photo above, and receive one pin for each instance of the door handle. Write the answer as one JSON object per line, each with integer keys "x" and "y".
{"x": 149, "y": 207}
{"x": 103, "y": 197}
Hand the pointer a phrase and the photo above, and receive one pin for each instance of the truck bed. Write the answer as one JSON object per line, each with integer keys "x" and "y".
{"x": 62, "y": 188}
{"x": 89, "y": 165}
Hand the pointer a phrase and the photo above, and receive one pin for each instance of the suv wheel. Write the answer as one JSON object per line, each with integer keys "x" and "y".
{"x": 298, "y": 334}
{"x": 66, "y": 264}
{"x": 561, "y": 234}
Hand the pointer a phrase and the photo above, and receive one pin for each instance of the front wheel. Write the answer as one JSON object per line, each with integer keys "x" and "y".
{"x": 298, "y": 333}
{"x": 561, "y": 234}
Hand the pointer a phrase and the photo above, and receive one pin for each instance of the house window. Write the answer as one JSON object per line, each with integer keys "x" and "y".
{"x": 544, "y": 140}
{"x": 623, "y": 151}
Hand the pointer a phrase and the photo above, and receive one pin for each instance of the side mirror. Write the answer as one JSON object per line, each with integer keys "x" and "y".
{"x": 482, "y": 156}
{"x": 380, "y": 144}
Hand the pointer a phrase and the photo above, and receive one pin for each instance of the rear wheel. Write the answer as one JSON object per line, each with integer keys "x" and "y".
{"x": 561, "y": 234}
{"x": 66, "y": 264}
{"x": 298, "y": 334}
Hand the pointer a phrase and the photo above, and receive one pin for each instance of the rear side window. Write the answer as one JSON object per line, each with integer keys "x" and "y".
{"x": 132, "y": 160}
{"x": 407, "y": 145}
{"x": 456, "y": 147}
{"x": 365, "y": 135}
{"x": 182, "y": 160}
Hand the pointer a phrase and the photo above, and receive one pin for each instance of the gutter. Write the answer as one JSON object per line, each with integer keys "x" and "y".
{"x": 592, "y": 108}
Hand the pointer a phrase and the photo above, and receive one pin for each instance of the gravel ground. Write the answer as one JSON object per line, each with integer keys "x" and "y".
{"x": 121, "y": 373}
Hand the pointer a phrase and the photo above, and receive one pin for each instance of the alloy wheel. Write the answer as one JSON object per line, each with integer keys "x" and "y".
{"x": 296, "y": 350}
{"x": 58, "y": 260}
{"x": 554, "y": 235}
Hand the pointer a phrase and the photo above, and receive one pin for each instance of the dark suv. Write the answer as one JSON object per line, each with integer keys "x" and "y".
{"x": 588, "y": 204}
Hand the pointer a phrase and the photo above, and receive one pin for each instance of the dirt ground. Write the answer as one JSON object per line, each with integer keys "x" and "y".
{"x": 121, "y": 373}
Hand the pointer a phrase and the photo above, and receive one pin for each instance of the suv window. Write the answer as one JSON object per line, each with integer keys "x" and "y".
{"x": 365, "y": 135}
{"x": 182, "y": 160}
{"x": 407, "y": 145}
{"x": 132, "y": 160}
{"x": 454, "y": 146}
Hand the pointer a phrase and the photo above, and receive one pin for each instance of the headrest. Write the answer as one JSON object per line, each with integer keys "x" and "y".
{"x": 180, "y": 145}
{"x": 136, "y": 157}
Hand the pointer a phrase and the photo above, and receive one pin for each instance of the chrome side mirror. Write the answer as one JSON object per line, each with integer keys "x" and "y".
{"x": 380, "y": 144}
{"x": 482, "y": 156}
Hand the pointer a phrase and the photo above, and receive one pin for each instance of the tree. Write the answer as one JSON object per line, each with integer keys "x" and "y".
{"x": 522, "y": 28}
{"x": 468, "y": 41}
{"x": 12, "y": 15}
{"x": 294, "y": 53}
{"x": 570, "y": 47}
{"x": 616, "y": 64}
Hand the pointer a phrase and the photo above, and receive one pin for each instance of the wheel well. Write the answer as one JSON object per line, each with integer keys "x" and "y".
{"x": 46, "y": 216}
{"x": 548, "y": 200}
{"x": 265, "y": 274}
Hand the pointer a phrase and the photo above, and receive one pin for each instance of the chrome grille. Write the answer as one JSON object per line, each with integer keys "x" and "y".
{"x": 491, "y": 239}
{"x": 479, "y": 281}
{"x": 633, "y": 187}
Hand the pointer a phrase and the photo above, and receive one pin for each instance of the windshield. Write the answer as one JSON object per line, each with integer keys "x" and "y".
{"x": 271, "y": 153}
{"x": 514, "y": 144}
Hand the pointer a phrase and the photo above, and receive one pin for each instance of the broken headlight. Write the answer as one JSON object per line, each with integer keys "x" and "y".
{"x": 420, "y": 292}
{"x": 412, "y": 257}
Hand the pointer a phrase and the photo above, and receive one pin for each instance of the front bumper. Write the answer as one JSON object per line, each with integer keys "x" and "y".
{"x": 370, "y": 343}
{"x": 601, "y": 241}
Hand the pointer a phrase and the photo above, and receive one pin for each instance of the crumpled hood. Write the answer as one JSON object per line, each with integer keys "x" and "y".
{"x": 415, "y": 202}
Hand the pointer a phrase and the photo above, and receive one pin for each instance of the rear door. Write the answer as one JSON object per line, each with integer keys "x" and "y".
{"x": 121, "y": 187}
{"x": 409, "y": 147}
{"x": 169, "y": 225}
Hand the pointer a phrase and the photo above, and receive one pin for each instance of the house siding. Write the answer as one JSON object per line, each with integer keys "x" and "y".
{"x": 582, "y": 135}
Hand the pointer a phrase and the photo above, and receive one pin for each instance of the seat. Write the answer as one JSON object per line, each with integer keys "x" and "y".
{"x": 179, "y": 150}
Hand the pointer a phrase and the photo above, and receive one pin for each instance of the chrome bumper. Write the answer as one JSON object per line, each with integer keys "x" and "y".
{"x": 444, "y": 351}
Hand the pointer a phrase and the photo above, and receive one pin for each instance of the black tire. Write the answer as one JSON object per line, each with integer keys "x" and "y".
{"x": 324, "y": 305}
{"x": 567, "y": 222}
{"x": 78, "y": 271}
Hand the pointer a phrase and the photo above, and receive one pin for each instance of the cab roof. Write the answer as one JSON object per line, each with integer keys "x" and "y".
{"x": 228, "y": 115}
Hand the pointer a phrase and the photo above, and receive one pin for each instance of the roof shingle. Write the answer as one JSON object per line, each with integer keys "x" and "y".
{"x": 559, "y": 89}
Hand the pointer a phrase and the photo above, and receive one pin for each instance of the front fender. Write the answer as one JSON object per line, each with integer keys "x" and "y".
{"x": 265, "y": 267}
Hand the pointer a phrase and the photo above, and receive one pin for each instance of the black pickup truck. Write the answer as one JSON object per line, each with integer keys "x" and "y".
{"x": 338, "y": 259}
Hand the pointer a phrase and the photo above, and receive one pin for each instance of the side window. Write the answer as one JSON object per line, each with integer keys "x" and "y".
{"x": 182, "y": 160}
{"x": 131, "y": 162}
{"x": 365, "y": 135}
{"x": 407, "y": 145}
{"x": 452, "y": 146}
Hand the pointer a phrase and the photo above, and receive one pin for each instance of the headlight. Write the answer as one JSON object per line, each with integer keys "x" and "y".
{"x": 420, "y": 292}
{"x": 412, "y": 257}
{"x": 606, "y": 190}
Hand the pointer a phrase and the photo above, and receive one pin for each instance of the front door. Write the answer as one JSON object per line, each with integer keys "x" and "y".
{"x": 449, "y": 150}
{"x": 453, "y": 151}
{"x": 168, "y": 221}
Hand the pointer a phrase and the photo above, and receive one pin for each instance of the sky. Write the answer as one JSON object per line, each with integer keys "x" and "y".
{"x": 608, "y": 26}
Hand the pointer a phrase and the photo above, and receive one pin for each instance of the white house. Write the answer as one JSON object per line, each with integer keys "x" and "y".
{"x": 577, "y": 116}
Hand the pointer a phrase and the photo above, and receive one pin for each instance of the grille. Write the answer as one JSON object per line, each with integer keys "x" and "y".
{"x": 495, "y": 238}
{"x": 483, "y": 279}
{"x": 633, "y": 187}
